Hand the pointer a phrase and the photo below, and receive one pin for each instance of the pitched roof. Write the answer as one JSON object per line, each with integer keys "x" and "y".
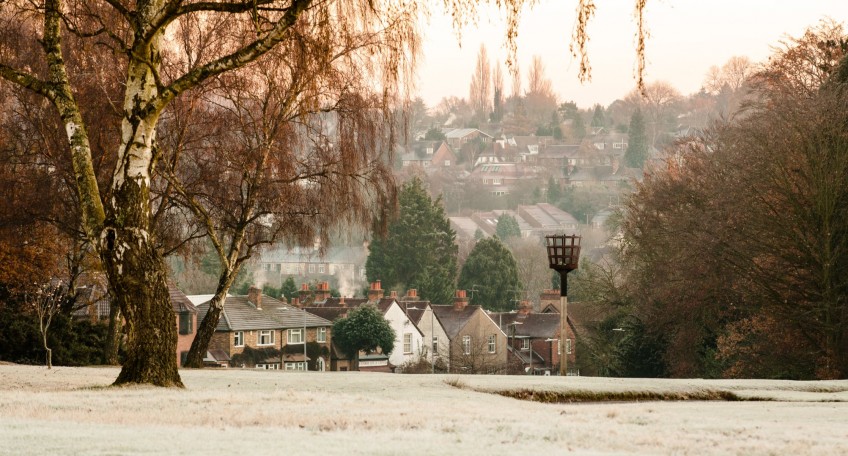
{"x": 461, "y": 132}
{"x": 453, "y": 320}
{"x": 179, "y": 301}
{"x": 328, "y": 313}
{"x": 240, "y": 314}
{"x": 383, "y": 304}
{"x": 534, "y": 325}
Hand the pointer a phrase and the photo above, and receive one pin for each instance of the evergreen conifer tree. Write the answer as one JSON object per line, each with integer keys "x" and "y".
{"x": 491, "y": 270}
{"x": 637, "y": 144}
{"x": 419, "y": 249}
{"x": 507, "y": 227}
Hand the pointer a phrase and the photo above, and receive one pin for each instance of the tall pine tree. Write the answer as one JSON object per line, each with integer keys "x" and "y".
{"x": 419, "y": 249}
{"x": 491, "y": 271}
{"x": 637, "y": 144}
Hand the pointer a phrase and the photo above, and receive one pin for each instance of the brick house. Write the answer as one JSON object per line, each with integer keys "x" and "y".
{"x": 550, "y": 304}
{"x": 476, "y": 344}
{"x": 257, "y": 324}
{"x": 185, "y": 315}
{"x": 533, "y": 339}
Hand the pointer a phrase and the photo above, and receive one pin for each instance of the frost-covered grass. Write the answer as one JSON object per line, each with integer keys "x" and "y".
{"x": 74, "y": 411}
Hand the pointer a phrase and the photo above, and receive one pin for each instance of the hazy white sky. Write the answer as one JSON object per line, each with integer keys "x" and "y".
{"x": 687, "y": 37}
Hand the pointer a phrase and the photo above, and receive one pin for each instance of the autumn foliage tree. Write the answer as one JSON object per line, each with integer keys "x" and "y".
{"x": 742, "y": 241}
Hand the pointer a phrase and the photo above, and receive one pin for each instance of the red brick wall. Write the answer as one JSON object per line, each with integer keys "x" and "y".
{"x": 184, "y": 340}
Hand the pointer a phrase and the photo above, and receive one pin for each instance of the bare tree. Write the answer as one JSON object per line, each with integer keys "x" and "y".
{"x": 304, "y": 166}
{"x": 480, "y": 91}
{"x": 658, "y": 101}
{"x": 47, "y": 302}
{"x": 240, "y": 33}
{"x": 498, "y": 93}
{"x": 531, "y": 261}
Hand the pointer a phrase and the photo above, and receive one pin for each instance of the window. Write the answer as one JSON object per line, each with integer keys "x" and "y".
{"x": 322, "y": 335}
{"x": 185, "y": 323}
{"x": 435, "y": 344}
{"x": 266, "y": 337}
{"x": 295, "y": 336}
{"x": 466, "y": 345}
{"x": 311, "y": 268}
{"x": 277, "y": 267}
{"x": 407, "y": 343}
{"x": 567, "y": 346}
{"x": 272, "y": 366}
{"x": 492, "y": 345}
{"x": 447, "y": 163}
{"x": 238, "y": 339}
{"x": 321, "y": 268}
{"x": 266, "y": 266}
{"x": 299, "y": 366}
{"x": 525, "y": 344}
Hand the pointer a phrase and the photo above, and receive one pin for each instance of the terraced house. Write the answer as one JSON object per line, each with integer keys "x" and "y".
{"x": 258, "y": 331}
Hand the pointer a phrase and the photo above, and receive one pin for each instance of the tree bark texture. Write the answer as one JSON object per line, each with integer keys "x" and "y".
{"x": 205, "y": 331}
{"x": 135, "y": 268}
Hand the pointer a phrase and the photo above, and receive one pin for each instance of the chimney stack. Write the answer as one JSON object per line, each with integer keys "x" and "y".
{"x": 549, "y": 298}
{"x": 525, "y": 307}
{"x": 375, "y": 293}
{"x": 411, "y": 295}
{"x": 393, "y": 294}
{"x": 254, "y": 296}
{"x": 295, "y": 302}
{"x": 305, "y": 294}
{"x": 460, "y": 301}
{"x": 342, "y": 302}
{"x": 322, "y": 291}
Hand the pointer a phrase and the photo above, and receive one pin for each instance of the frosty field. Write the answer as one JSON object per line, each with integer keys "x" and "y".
{"x": 74, "y": 411}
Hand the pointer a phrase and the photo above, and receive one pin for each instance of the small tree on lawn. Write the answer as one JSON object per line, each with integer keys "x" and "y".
{"x": 48, "y": 302}
{"x": 364, "y": 329}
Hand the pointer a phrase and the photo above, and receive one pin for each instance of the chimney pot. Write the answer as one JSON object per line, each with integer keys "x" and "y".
{"x": 460, "y": 301}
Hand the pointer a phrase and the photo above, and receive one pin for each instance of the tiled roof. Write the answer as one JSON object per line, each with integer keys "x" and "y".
{"x": 328, "y": 313}
{"x": 179, "y": 301}
{"x": 383, "y": 304}
{"x": 535, "y": 325}
{"x": 461, "y": 132}
{"x": 239, "y": 314}
{"x": 453, "y": 320}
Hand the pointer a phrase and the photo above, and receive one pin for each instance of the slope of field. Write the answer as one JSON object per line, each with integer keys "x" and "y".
{"x": 74, "y": 411}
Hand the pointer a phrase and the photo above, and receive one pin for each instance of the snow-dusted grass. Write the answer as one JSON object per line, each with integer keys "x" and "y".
{"x": 74, "y": 411}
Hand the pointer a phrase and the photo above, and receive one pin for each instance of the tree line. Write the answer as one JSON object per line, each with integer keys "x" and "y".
{"x": 734, "y": 252}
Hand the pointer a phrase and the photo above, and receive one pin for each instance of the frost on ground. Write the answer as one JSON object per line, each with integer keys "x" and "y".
{"x": 74, "y": 411}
